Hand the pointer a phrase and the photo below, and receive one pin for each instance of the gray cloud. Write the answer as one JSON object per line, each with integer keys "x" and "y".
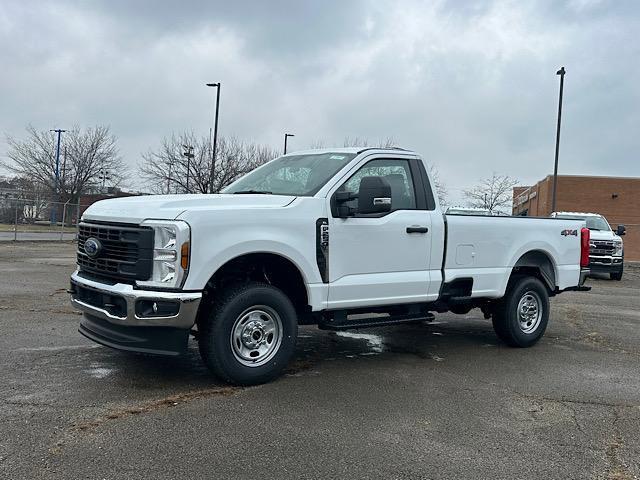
{"x": 471, "y": 85}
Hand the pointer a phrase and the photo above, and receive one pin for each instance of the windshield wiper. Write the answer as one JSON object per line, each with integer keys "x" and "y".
{"x": 241, "y": 192}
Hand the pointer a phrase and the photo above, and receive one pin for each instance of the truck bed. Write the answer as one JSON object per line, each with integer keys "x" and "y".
{"x": 487, "y": 248}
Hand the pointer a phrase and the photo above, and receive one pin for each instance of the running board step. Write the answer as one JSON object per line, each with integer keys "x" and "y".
{"x": 369, "y": 322}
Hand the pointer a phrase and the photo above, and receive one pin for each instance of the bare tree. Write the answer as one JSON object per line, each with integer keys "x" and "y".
{"x": 438, "y": 186}
{"x": 166, "y": 168}
{"x": 84, "y": 155}
{"x": 493, "y": 193}
{"x": 32, "y": 197}
{"x": 356, "y": 142}
{"x": 363, "y": 142}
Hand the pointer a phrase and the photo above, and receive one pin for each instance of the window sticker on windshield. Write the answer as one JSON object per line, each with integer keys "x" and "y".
{"x": 336, "y": 157}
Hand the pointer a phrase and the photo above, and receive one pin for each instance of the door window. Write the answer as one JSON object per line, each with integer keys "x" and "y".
{"x": 396, "y": 172}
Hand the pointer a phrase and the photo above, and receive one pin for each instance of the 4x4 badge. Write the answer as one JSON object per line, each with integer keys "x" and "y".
{"x": 568, "y": 232}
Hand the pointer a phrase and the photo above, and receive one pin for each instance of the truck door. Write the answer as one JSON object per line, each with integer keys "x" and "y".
{"x": 383, "y": 258}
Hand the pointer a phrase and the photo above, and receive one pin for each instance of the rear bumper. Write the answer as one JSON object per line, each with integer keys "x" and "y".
{"x": 581, "y": 287}
{"x": 119, "y": 316}
{"x": 584, "y": 273}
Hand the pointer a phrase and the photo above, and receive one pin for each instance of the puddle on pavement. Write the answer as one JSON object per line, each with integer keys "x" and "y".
{"x": 373, "y": 341}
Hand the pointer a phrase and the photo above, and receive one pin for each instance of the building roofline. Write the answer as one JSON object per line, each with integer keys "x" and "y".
{"x": 592, "y": 176}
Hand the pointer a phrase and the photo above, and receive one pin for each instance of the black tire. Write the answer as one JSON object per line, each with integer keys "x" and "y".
{"x": 616, "y": 275}
{"x": 506, "y": 320}
{"x": 230, "y": 314}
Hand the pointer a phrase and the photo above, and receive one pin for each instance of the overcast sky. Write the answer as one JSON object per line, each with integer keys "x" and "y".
{"x": 470, "y": 85}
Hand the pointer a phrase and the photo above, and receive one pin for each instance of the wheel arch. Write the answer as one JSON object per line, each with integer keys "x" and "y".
{"x": 269, "y": 267}
{"x": 537, "y": 263}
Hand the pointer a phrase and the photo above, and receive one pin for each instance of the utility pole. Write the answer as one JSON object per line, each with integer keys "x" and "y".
{"x": 59, "y": 131}
{"x": 215, "y": 135}
{"x": 560, "y": 72}
{"x": 189, "y": 154}
{"x": 287, "y": 135}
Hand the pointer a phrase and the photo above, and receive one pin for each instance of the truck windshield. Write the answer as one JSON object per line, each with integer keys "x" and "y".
{"x": 593, "y": 222}
{"x": 300, "y": 175}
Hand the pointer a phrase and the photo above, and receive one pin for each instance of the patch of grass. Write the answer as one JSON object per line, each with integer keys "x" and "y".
{"x": 4, "y": 227}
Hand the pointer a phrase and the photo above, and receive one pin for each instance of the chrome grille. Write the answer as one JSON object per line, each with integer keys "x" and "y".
{"x": 602, "y": 247}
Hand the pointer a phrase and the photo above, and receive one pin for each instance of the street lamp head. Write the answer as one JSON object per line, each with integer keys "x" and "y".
{"x": 561, "y": 71}
{"x": 213, "y": 84}
{"x": 289, "y": 135}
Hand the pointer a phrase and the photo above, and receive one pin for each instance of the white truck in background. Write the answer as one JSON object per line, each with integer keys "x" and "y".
{"x": 312, "y": 237}
{"x": 606, "y": 247}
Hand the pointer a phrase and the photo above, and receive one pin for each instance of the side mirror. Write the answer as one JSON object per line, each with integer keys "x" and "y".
{"x": 374, "y": 195}
{"x": 621, "y": 230}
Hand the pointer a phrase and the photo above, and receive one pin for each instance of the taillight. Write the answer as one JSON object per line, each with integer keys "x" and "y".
{"x": 585, "y": 237}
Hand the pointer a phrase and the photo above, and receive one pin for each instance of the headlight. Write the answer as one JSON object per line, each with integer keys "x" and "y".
{"x": 170, "y": 253}
{"x": 618, "y": 249}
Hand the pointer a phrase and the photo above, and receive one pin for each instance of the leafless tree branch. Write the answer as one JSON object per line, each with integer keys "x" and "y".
{"x": 493, "y": 193}
{"x": 166, "y": 167}
{"x": 84, "y": 153}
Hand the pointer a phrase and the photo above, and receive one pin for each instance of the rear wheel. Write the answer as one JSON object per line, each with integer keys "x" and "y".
{"x": 250, "y": 334}
{"x": 521, "y": 317}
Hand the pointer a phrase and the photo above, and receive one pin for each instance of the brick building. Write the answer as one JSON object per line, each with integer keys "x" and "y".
{"x": 616, "y": 198}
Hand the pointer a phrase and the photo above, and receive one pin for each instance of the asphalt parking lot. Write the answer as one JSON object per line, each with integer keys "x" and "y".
{"x": 438, "y": 400}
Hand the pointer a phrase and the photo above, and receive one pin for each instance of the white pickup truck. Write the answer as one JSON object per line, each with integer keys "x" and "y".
{"x": 343, "y": 238}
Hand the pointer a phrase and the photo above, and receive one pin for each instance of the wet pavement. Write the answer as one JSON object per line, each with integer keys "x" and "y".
{"x": 437, "y": 400}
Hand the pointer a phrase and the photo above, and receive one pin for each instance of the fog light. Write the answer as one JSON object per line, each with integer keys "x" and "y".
{"x": 156, "y": 308}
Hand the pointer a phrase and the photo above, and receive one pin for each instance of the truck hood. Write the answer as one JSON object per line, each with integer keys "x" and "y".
{"x": 169, "y": 207}
{"x": 603, "y": 235}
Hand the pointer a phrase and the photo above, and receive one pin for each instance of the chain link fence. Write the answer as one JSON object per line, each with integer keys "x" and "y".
{"x": 23, "y": 219}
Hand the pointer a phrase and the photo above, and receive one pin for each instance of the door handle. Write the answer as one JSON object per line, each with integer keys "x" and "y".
{"x": 417, "y": 229}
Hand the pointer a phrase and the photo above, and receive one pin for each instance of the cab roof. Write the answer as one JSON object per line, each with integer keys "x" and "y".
{"x": 352, "y": 150}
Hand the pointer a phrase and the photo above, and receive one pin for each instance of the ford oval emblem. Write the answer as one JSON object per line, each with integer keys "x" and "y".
{"x": 92, "y": 247}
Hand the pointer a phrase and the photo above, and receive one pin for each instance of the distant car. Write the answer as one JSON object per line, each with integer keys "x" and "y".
{"x": 606, "y": 247}
{"x": 467, "y": 211}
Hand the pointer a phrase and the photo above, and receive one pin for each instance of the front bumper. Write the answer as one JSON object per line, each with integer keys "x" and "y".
{"x": 606, "y": 264}
{"x": 119, "y": 316}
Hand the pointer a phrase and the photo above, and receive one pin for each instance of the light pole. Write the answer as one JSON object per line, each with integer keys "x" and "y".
{"x": 287, "y": 135}
{"x": 104, "y": 175}
{"x": 59, "y": 131}
{"x": 560, "y": 72}
{"x": 189, "y": 154}
{"x": 215, "y": 135}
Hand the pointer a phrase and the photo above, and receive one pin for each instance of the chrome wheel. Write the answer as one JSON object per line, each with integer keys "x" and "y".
{"x": 256, "y": 335}
{"x": 529, "y": 312}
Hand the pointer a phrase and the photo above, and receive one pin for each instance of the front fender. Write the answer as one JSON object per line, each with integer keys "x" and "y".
{"x": 207, "y": 265}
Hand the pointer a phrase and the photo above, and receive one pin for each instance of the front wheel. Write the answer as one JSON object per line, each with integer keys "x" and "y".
{"x": 521, "y": 317}
{"x": 250, "y": 334}
{"x": 616, "y": 275}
